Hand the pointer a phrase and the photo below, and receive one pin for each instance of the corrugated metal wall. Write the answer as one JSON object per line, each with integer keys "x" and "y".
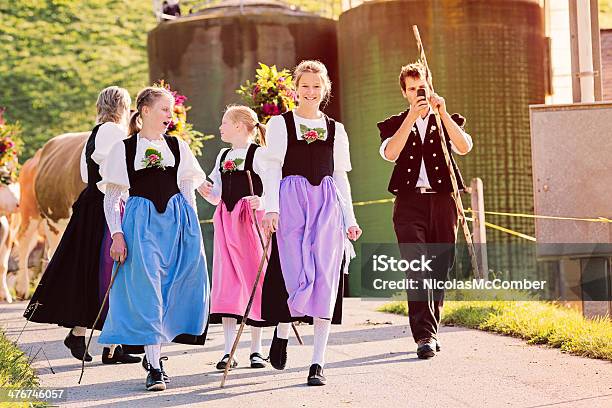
{"x": 488, "y": 61}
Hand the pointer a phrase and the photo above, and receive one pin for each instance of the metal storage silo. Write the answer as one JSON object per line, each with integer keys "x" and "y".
{"x": 488, "y": 61}
{"x": 209, "y": 54}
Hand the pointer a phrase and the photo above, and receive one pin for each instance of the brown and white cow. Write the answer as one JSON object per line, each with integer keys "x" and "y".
{"x": 50, "y": 183}
{"x": 9, "y": 223}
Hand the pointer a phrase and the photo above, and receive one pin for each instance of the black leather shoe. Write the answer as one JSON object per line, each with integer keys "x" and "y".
{"x": 257, "y": 361}
{"x": 147, "y": 367}
{"x": 119, "y": 357}
{"x": 76, "y": 344}
{"x": 278, "y": 352}
{"x": 425, "y": 349}
{"x": 155, "y": 380}
{"x": 223, "y": 363}
{"x": 315, "y": 375}
{"x": 438, "y": 346}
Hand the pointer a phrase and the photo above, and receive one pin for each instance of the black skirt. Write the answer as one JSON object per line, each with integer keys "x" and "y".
{"x": 274, "y": 308}
{"x": 68, "y": 292}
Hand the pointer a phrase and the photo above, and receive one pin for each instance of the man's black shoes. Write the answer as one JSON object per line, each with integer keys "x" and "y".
{"x": 425, "y": 349}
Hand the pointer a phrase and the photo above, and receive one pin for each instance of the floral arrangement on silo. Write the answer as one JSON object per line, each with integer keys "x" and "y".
{"x": 270, "y": 94}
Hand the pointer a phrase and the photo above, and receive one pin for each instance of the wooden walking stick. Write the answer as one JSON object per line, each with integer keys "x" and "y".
{"x": 248, "y": 172}
{"x": 246, "y": 312}
{"x": 456, "y": 195}
{"x": 117, "y": 264}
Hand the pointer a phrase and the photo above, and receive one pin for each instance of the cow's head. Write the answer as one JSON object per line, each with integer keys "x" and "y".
{"x": 9, "y": 194}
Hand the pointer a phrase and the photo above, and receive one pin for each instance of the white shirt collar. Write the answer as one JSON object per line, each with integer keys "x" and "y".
{"x": 426, "y": 118}
{"x": 156, "y": 141}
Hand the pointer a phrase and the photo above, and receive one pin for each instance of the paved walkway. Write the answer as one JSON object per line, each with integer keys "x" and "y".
{"x": 371, "y": 363}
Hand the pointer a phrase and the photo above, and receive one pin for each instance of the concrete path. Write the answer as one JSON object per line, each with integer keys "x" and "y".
{"x": 371, "y": 363}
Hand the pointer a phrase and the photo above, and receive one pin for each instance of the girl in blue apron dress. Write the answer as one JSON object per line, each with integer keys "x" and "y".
{"x": 161, "y": 292}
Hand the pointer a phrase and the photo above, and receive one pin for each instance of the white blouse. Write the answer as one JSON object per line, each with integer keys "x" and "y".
{"x": 215, "y": 174}
{"x": 276, "y": 141}
{"x": 115, "y": 180}
{"x": 109, "y": 133}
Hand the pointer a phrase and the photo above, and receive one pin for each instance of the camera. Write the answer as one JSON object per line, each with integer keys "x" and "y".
{"x": 421, "y": 93}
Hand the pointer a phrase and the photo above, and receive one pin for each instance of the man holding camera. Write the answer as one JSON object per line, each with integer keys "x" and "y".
{"x": 425, "y": 212}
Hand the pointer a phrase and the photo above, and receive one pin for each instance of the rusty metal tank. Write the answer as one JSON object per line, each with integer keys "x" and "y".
{"x": 209, "y": 54}
{"x": 488, "y": 59}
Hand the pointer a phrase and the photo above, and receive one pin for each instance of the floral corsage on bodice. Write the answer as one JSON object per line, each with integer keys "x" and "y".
{"x": 153, "y": 159}
{"x": 311, "y": 134}
{"x": 231, "y": 165}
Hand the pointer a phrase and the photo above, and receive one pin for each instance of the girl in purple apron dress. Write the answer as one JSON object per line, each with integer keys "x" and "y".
{"x": 308, "y": 205}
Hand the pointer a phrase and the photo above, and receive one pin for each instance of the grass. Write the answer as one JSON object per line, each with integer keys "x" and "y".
{"x": 537, "y": 322}
{"x": 15, "y": 370}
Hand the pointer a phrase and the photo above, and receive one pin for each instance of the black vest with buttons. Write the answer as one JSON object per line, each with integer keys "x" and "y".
{"x": 406, "y": 171}
{"x": 235, "y": 184}
{"x": 153, "y": 183}
{"x": 314, "y": 160}
{"x": 93, "y": 169}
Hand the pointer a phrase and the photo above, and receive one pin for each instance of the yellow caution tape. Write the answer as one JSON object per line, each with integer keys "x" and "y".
{"x": 519, "y": 215}
{"x": 504, "y": 229}
{"x": 488, "y": 224}
{"x": 546, "y": 217}
{"x": 509, "y": 231}
{"x": 383, "y": 201}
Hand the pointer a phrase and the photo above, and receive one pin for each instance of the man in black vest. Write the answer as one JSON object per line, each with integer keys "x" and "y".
{"x": 424, "y": 212}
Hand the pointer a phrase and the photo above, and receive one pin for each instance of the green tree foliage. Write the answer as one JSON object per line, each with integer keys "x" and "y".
{"x": 58, "y": 54}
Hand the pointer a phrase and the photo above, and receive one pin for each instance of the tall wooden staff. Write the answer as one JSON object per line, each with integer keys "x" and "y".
{"x": 456, "y": 195}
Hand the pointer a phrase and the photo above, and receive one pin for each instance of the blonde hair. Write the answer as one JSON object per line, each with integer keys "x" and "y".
{"x": 248, "y": 117}
{"x": 112, "y": 104}
{"x": 314, "y": 67}
{"x": 146, "y": 97}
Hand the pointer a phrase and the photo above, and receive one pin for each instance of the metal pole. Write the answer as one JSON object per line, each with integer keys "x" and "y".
{"x": 478, "y": 227}
{"x": 585, "y": 51}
